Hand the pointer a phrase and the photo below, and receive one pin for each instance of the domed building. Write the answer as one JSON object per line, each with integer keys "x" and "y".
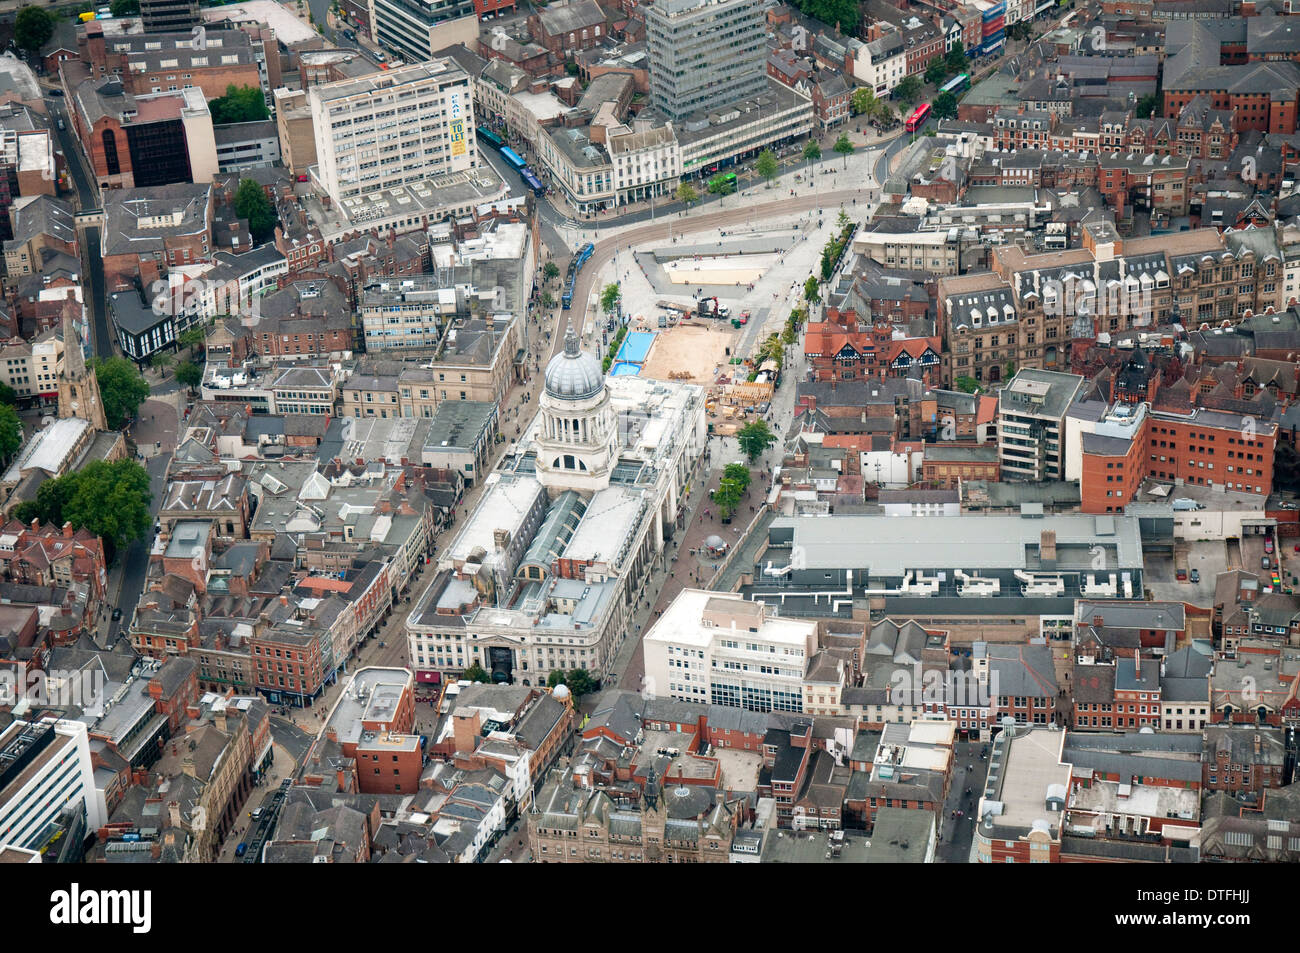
{"x": 575, "y": 433}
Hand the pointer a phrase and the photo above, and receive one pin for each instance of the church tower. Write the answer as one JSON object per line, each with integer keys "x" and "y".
{"x": 78, "y": 385}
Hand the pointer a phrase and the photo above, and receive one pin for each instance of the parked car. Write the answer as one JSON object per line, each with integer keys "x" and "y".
{"x": 241, "y": 850}
{"x": 1268, "y": 544}
{"x": 117, "y": 613}
{"x": 1196, "y": 575}
{"x": 1264, "y": 563}
{"x": 1180, "y": 575}
{"x": 256, "y": 814}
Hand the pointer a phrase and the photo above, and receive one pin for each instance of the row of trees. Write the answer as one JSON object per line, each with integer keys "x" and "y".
{"x": 578, "y": 680}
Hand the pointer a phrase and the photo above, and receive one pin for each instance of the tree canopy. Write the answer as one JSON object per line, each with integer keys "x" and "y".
{"x": 844, "y": 147}
{"x": 908, "y": 89}
{"x": 8, "y": 395}
{"x": 33, "y": 28}
{"x": 189, "y": 374}
{"x": 251, "y": 203}
{"x": 476, "y": 673}
{"x": 609, "y": 297}
{"x": 754, "y": 438}
{"x": 550, "y": 271}
{"x": 936, "y": 71}
{"x": 812, "y": 151}
{"x": 738, "y": 473}
{"x": 686, "y": 193}
{"x": 124, "y": 8}
{"x": 968, "y": 385}
{"x": 766, "y": 165}
{"x": 945, "y": 106}
{"x": 811, "y": 293}
{"x": 11, "y": 431}
{"x": 110, "y": 500}
{"x": 121, "y": 387}
{"x": 842, "y": 13}
{"x": 1146, "y": 106}
{"x": 956, "y": 58}
{"x": 240, "y": 104}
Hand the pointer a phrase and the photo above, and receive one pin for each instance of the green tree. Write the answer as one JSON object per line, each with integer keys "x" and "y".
{"x": 1146, "y": 106}
{"x": 550, "y": 271}
{"x": 161, "y": 361}
{"x": 33, "y": 28}
{"x": 11, "y": 431}
{"x": 571, "y": 68}
{"x": 766, "y": 165}
{"x": 810, "y": 290}
{"x": 251, "y": 203}
{"x": 548, "y": 300}
{"x": 240, "y": 104}
{"x": 193, "y": 338}
{"x": 885, "y": 113}
{"x": 812, "y": 152}
{"x": 844, "y": 147}
{"x": 112, "y": 501}
{"x": 189, "y": 374}
{"x": 843, "y": 220}
{"x": 936, "y": 71}
{"x": 956, "y": 58}
{"x": 8, "y": 395}
{"x": 686, "y": 193}
{"x": 828, "y": 264}
{"x": 841, "y": 13}
{"x": 754, "y": 438}
{"x": 726, "y": 497}
{"x": 51, "y": 498}
{"x": 121, "y": 387}
{"x": 720, "y": 185}
{"x": 968, "y": 385}
{"x": 580, "y": 682}
{"x": 908, "y": 89}
{"x": 789, "y": 335}
{"x": 737, "y": 473}
{"x": 1009, "y": 371}
{"x": 862, "y": 102}
{"x": 555, "y": 678}
{"x": 945, "y": 106}
{"x": 124, "y": 8}
{"x": 609, "y": 297}
{"x": 476, "y": 673}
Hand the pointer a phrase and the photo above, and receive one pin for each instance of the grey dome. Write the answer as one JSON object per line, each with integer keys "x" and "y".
{"x": 573, "y": 374}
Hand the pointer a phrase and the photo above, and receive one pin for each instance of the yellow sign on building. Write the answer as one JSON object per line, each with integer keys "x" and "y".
{"x": 457, "y": 137}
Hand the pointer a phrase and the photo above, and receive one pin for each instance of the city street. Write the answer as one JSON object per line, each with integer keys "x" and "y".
{"x": 957, "y": 834}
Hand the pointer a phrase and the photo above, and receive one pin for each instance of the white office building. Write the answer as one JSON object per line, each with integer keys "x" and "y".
{"x": 44, "y": 768}
{"x": 393, "y": 129}
{"x": 722, "y": 649}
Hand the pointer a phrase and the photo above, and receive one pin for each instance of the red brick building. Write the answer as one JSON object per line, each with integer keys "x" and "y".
{"x": 1211, "y": 449}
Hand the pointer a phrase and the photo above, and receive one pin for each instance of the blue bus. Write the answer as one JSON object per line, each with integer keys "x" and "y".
{"x": 490, "y": 137}
{"x": 958, "y": 84}
{"x": 584, "y": 253}
{"x": 512, "y": 158}
{"x": 533, "y": 182}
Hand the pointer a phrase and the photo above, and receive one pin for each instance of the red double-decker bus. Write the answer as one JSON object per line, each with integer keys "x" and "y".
{"x": 918, "y": 117}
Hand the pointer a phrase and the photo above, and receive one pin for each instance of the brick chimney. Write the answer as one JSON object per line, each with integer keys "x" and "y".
{"x": 67, "y": 530}
{"x": 1047, "y": 545}
{"x": 466, "y": 730}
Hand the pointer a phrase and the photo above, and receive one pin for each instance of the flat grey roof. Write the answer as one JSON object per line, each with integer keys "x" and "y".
{"x": 890, "y": 545}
